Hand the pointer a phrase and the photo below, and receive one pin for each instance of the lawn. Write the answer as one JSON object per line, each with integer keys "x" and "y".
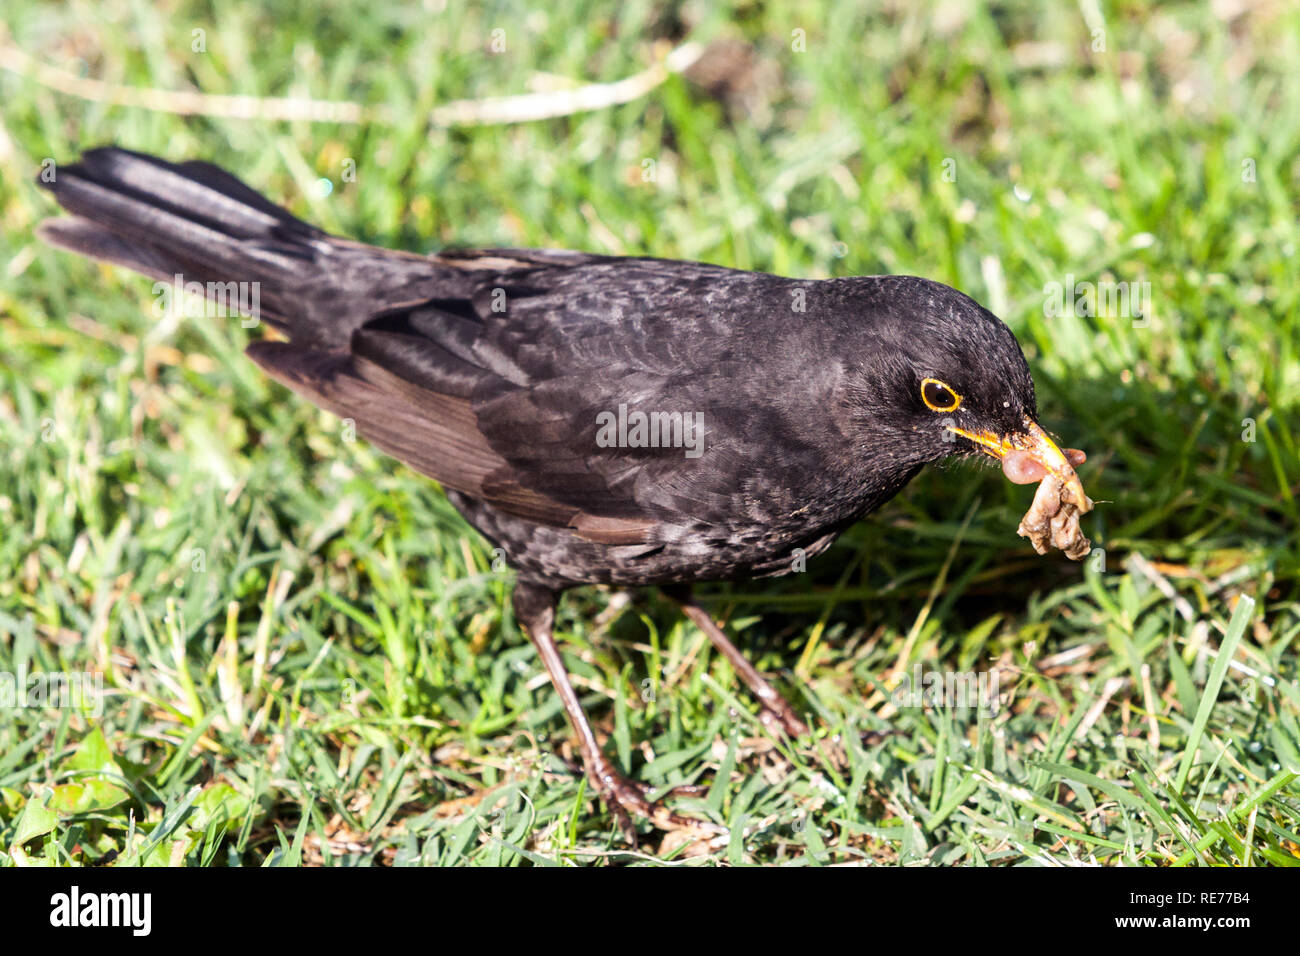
{"x": 307, "y": 657}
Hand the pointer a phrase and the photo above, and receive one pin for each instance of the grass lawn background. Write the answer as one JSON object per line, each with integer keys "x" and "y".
{"x": 308, "y": 657}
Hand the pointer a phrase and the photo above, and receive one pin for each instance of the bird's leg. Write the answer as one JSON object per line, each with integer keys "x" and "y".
{"x": 535, "y": 611}
{"x": 777, "y": 712}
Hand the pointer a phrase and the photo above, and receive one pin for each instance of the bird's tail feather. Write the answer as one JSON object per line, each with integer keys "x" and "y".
{"x": 201, "y": 224}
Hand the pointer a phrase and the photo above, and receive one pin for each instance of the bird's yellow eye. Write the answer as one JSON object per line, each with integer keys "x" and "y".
{"x": 938, "y": 397}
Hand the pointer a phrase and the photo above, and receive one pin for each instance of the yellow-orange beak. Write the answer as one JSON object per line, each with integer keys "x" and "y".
{"x": 1033, "y": 447}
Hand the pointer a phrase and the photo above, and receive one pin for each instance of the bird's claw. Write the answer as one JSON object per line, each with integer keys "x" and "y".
{"x": 628, "y": 798}
{"x": 780, "y": 718}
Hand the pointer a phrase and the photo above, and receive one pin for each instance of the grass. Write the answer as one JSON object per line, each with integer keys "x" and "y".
{"x": 307, "y": 655}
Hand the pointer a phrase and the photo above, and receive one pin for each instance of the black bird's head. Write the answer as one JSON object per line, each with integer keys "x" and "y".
{"x": 942, "y": 376}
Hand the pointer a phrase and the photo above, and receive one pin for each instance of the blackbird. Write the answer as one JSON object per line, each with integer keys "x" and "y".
{"x": 600, "y": 419}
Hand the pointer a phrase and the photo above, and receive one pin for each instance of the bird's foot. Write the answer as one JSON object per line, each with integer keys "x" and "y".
{"x": 628, "y": 798}
{"x": 780, "y": 718}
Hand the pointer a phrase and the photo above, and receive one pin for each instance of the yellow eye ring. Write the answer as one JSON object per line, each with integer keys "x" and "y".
{"x": 938, "y": 396}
